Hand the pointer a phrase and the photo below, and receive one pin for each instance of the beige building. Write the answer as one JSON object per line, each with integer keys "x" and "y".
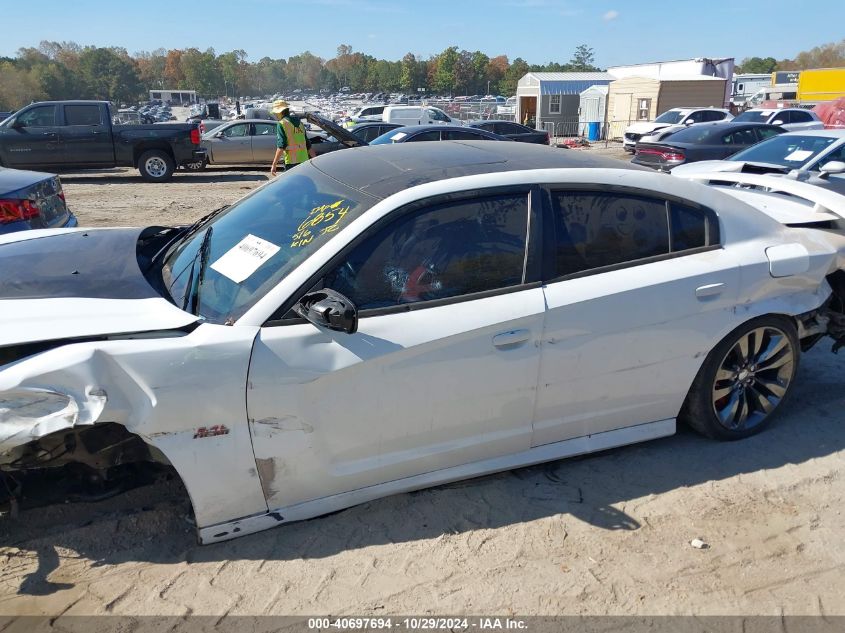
{"x": 644, "y": 99}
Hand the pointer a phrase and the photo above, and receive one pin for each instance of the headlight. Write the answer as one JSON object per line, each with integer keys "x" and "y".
{"x": 27, "y": 406}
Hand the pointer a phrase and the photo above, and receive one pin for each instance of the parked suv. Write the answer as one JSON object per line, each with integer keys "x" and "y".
{"x": 791, "y": 119}
{"x": 675, "y": 116}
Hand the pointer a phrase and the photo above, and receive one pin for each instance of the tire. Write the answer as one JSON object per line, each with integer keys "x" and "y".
{"x": 744, "y": 379}
{"x": 156, "y": 165}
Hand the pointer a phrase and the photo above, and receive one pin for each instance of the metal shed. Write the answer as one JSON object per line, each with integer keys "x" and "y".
{"x": 593, "y": 109}
{"x": 551, "y": 101}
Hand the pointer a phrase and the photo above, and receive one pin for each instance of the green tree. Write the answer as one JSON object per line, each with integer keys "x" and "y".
{"x": 109, "y": 74}
{"x": 444, "y": 74}
{"x": 517, "y": 71}
{"x": 758, "y": 65}
{"x": 582, "y": 60}
{"x": 201, "y": 72}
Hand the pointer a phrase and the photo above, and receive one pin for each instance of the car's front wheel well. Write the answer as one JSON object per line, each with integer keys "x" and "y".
{"x": 89, "y": 463}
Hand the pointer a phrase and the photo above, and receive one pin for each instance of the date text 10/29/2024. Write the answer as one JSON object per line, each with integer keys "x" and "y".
{"x": 417, "y": 624}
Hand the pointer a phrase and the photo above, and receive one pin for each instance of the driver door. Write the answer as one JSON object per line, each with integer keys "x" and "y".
{"x": 442, "y": 370}
{"x": 34, "y": 141}
{"x": 263, "y": 142}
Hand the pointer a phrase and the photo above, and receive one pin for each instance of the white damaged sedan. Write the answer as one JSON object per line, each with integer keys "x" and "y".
{"x": 389, "y": 318}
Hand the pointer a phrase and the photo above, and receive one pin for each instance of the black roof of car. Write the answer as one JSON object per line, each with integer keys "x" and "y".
{"x": 383, "y": 170}
{"x": 413, "y": 129}
{"x": 713, "y": 129}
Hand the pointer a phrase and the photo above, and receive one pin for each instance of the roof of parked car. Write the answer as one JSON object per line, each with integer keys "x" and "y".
{"x": 384, "y": 170}
{"x": 828, "y": 133}
{"x": 773, "y": 110}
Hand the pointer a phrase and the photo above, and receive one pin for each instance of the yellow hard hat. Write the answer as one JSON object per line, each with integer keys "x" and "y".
{"x": 279, "y": 106}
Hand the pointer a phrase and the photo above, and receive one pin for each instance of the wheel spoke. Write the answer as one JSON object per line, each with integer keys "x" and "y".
{"x": 777, "y": 360}
{"x": 721, "y": 392}
{"x": 739, "y": 419}
{"x": 728, "y": 413}
{"x": 760, "y": 401}
{"x": 776, "y": 345}
{"x": 724, "y": 375}
{"x": 773, "y": 387}
{"x": 743, "y": 346}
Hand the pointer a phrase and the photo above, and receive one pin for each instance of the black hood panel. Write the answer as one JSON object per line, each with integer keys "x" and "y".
{"x": 94, "y": 264}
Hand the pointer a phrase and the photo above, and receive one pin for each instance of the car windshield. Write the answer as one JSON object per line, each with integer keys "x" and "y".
{"x": 257, "y": 241}
{"x": 672, "y": 116}
{"x": 787, "y": 150}
{"x": 694, "y": 134}
{"x": 393, "y": 136}
{"x": 752, "y": 117}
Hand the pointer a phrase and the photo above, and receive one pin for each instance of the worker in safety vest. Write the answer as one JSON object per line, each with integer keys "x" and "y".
{"x": 291, "y": 139}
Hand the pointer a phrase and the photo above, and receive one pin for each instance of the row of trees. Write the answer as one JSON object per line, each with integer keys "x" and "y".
{"x": 826, "y": 56}
{"x": 66, "y": 70}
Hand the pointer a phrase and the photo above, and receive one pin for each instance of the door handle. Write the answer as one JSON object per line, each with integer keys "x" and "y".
{"x": 514, "y": 337}
{"x": 48, "y": 133}
{"x": 710, "y": 290}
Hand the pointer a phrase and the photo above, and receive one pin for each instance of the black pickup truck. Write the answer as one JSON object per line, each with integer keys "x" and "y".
{"x": 81, "y": 135}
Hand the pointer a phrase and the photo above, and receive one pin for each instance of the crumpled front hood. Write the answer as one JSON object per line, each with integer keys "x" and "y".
{"x": 70, "y": 284}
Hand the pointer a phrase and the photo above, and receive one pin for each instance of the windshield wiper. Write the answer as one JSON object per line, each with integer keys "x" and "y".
{"x": 192, "y": 295}
{"x": 185, "y": 231}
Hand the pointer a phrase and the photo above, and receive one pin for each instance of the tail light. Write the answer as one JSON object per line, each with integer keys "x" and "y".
{"x": 195, "y": 136}
{"x": 668, "y": 155}
{"x": 17, "y": 210}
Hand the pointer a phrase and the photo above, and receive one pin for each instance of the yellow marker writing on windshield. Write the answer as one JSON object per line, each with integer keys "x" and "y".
{"x": 326, "y": 218}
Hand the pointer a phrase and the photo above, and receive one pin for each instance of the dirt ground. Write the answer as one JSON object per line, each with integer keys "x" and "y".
{"x": 604, "y": 534}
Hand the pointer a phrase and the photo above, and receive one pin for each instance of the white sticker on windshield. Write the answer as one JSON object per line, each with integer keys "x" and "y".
{"x": 398, "y": 136}
{"x": 245, "y": 258}
{"x": 799, "y": 155}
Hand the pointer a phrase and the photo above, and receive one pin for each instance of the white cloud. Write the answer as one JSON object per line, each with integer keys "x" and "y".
{"x": 610, "y": 15}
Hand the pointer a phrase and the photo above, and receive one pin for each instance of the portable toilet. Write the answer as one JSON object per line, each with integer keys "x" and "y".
{"x": 591, "y": 113}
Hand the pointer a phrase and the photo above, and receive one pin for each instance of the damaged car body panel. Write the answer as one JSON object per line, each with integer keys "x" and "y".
{"x": 158, "y": 389}
{"x": 274, "y": 406}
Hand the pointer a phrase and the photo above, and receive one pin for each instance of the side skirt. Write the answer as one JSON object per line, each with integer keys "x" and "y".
{"x": 537, "y": 455}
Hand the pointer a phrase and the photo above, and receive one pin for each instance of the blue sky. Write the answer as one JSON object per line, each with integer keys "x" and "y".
{"x": 620, "y": 31}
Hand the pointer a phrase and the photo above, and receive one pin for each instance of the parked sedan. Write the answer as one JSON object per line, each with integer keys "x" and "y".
{"x": 32, "y": 200}
{"x": 372, "y": 130}
{"x": 419, "y": 133}
{"x": 706, "y": 141}
{"x": 513, "y": 131}
{"x": 386, "y": 319}
{"x": 253, "y": 141}
{"x": 817, "y": 156}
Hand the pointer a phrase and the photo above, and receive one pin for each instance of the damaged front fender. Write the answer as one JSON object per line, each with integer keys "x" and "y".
{"x": 28, "y": 414}
{"x": 182, "y": 395}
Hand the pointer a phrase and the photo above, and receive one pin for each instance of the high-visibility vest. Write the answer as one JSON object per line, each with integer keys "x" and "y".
{"x": 297, "y": 148}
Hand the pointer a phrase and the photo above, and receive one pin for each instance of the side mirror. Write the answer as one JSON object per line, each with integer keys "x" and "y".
{"x": 833, "y": 167}
{"x": 17, "y": 125}
{"x": 219, "y": 135}
{"x": 689, "y": 122}
{"x": 328, "y": 309}
{"x": 777, "y": 122}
